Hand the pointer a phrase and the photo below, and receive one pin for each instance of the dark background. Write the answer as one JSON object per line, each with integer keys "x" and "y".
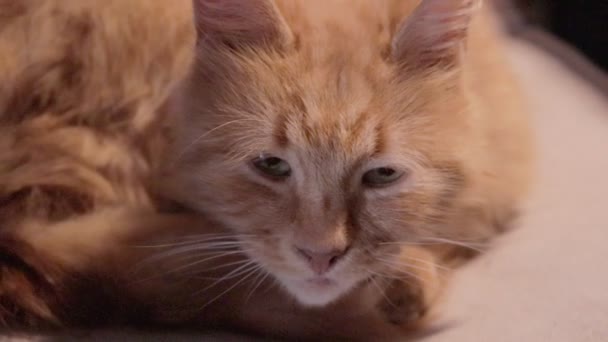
{"x": 582, "y": 23}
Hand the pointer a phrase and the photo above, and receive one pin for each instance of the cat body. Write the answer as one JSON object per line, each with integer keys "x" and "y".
{"x": 398, "y": 140}
{"x": 82, "y": 84}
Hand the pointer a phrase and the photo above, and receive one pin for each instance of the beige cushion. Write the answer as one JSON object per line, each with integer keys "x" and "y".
{"x": 548, "y": 280}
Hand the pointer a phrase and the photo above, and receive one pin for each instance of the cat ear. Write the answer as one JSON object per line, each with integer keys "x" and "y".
{"x": 240, "y": 23}
{"x": 435, "y": 34}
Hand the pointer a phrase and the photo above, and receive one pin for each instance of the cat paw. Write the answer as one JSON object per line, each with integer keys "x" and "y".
{"x": 404, "y": 303}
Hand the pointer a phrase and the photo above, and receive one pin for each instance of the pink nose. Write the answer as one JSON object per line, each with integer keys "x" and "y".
{"x": 321, "y": 262}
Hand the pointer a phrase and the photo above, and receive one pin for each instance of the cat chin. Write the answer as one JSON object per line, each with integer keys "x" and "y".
{"x": 316, "y": 292}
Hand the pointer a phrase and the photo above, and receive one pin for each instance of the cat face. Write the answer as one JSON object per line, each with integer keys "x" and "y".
{"x": 325, "y": 161}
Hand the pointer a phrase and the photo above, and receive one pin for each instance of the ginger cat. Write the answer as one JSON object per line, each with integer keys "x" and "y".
{"x": 342, "y": 153}
{"x": 344, "y": 142}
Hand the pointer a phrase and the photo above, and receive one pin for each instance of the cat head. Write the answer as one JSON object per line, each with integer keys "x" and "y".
{"x": 325, "y": 143}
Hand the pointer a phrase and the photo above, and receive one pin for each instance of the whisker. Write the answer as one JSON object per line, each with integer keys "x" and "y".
{"x": 183, "y": 243}
{"x": 382, "y": 292}
{"x": 216, "y": 280}
{"x": 205, "y": 235}
{"x": 401, "y": 268}
{"x": 234, "y": 273}
{"x": 263, "y": 275}
{"x": 198, "y": 262}
{"x": 188, "y": 249}
{"x": 199, "y": 272}
{"x": 179, "y": 270}
{"x": 271, "y": 284}
{"x": 194, "y": 240}
{"x": 414, "y": 259}
{"x": 240, "y": 262}
{"x": 427, "y": 262}
{"x": 372, "y": 272}
{"x": 209, "y": 132}
{"x": 475, "y": 246}
{"x": 230, "y": 288}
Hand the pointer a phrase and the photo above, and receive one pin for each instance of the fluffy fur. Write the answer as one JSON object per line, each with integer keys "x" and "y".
{"x": 82, "y": 84}
{"x": 337, "y": 88}
{"x": 87, "y": 240}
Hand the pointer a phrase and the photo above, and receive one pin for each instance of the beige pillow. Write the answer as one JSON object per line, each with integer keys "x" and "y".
{"x": 548, "y": 280}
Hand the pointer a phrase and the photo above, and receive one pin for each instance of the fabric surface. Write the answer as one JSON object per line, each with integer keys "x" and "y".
{"x": 547, "y": 280}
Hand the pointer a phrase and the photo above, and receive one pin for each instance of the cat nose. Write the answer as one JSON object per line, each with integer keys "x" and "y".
{"x": 321, "y": 262}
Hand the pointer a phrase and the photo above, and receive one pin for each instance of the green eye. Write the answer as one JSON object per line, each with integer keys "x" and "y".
{"x": 382, "y": 176}
{"x": 272, "y": 167}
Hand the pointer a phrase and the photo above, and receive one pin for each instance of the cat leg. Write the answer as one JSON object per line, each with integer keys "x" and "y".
{"x": 407, "y": 300}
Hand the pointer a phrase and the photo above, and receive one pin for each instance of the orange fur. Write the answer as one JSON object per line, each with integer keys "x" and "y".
{"x": 334, "y": 90}
{"x": 82, "y": 85}
{"x": 333, "y": 86}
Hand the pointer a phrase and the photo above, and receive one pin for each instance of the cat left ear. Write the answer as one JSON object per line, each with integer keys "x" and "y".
{"x": 239, "y": 23}
{"x": 434, "y": 35}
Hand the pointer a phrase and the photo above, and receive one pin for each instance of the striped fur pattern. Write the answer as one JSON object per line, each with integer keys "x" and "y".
{"x": 82, "y": 87}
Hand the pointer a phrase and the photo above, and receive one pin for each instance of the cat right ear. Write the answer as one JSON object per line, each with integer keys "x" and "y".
{"x": 240, "y": 23}
{"x": 435, "y": 34}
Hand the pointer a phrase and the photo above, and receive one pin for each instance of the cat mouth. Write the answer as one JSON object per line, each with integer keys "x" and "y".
{"x": 318, "y": 290}
{"x": 321, "y": 282}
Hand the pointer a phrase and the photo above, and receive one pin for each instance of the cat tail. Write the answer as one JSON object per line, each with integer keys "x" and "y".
{"x": 74, "y": 273}
{"x": 28, "y": 292}
{"x": 47, "y": 280}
